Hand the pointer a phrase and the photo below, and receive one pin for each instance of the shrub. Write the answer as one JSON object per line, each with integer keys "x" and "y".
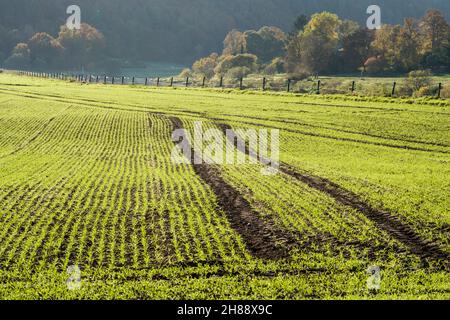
{"x": 445, "y": 92}
{"x": 238, "y": 72}
{"x": 423, "y": 92}
{"x": 185, "y": 73}
{"x": 276, "y": 66}
{"x": 404, "y": 91}
{"x": 241, "y": 60}
{"x": 419, "y": 79}
{"x": 205, "y": 66}
{"x": 375, "y": 65}
{"x": 17, "y": 61}
{"x": 299, "y": 75}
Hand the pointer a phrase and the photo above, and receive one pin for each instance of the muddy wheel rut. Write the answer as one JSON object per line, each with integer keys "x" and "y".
{"x": 263, "y": 240}
{"x": 381, "y": 217}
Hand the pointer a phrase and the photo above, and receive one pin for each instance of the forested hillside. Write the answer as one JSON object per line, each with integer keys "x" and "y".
{"x": 181, "y": 31}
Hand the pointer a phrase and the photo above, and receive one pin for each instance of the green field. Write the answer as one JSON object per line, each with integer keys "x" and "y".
{"x": 87, "y": 180}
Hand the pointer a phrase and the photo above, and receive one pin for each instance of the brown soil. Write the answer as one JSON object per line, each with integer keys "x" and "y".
{"x": 382, "y": 218}
{"x": 262, "y": 238}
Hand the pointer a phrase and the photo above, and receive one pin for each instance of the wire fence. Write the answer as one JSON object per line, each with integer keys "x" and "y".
{"x": 272, "y": 83}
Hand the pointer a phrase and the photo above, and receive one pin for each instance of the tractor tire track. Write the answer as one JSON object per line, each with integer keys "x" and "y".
{"x": 365, "y": 134}
{"x": 381, "y": 217}
{"x": 262, "y": 238}
{"x": 325, "y": 136}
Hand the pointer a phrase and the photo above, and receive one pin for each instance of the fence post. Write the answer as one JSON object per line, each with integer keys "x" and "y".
{"x": 104, "y": 80}
{"x": 221, "y": 82}
{"x": 157, "y": 82}
{"x": 132, "y": 82}
{"x": 113, "y": 80}
{"x": 264, "y": 84}
{"x": 203, "y": 83}
{"x": 353, "y": 86}
{"x": 171, "y": 81}
{"x": 187, "y": 82}
{"x": 439, "y": 90}
{"x": 146, "y": 81}
{"x": 318, "y": 87}
{"x": 123, "y": 79}
{"x": 240, "y": 83}
{"x": 289, "y": 85}
{"x": 393, "y": 89}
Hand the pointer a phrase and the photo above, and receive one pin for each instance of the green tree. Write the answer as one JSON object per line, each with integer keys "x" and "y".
{"x": 324, "y": 25}
{"x": 313, "y": 51}
{"x": 83, "y": 47}
{"x": 226, "y": 63}
{"x": 316, "y": 53}
{"x": 385, "y": 45}
{"x": 436, "y": 33}
{"x": 44, "y": 48}
{"x": 267, "y": 43}
{"x": 408, "y": 45}
{"x": 234, "y": 43}
{"x": 357, "y": 48}
{"x": 205, "y": 66}
{"x": 347, "y": 28}
{"x": 20, "y": 58}
{"x": 299, "y": 25}
{"x": 435, "y": 30}
{"x": 293, "y": 58}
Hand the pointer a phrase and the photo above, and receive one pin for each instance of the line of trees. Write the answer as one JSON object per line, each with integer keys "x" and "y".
{"x": 71, "y": 49}
{"x": 181, "y": 31}
{"x": 324, "y": 43}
